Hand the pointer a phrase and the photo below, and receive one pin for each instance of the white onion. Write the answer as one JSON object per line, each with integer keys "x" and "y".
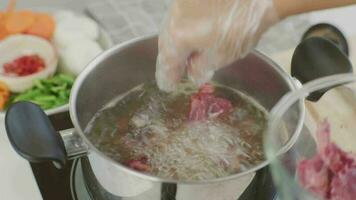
{"x": 63, "y": 14}
{"x": 78, "y": 25}
{"x": 75, "y": 38}
{"x": 63, "y": 38}
{"x": 75, "y": 57}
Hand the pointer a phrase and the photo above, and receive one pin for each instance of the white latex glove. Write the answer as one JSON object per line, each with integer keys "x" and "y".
{"x": 201, "y": 36}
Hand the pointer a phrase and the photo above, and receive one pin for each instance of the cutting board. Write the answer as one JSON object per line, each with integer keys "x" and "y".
{"x": 337, "y": 105}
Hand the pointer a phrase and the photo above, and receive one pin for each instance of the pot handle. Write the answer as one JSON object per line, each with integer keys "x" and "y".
{"x": 33, "y": 136}
{"x": 322, "y": 52}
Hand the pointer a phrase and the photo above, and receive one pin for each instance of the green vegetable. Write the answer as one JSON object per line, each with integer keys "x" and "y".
{"x": 48, "y": 93}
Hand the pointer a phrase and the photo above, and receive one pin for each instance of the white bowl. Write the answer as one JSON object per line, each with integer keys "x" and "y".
{"x": 19, "y": 45}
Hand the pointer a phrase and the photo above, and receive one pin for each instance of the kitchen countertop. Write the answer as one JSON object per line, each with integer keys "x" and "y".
{"x": 16, "y": 178}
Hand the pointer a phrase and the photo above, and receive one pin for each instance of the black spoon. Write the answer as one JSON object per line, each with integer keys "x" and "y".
{"x": 320, "y": 55}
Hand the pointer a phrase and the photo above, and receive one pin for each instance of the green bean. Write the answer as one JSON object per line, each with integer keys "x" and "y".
{"x": 46, "y": 98}
{"x": 66, "y": 78}
{"x": 59, "y": 88}
{"x": 48, "y": 93}
{"x": 39, "y": 84}
{"x": 27, "y": 95}
{"x": 62, "y": 94}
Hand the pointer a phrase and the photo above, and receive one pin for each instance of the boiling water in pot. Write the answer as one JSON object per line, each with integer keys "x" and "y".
{"x": 149, "y": 131}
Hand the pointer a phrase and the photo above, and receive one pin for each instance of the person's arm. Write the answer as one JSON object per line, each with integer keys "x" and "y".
{"x": 286, "y": 8}
{"x": 201, "y": 36}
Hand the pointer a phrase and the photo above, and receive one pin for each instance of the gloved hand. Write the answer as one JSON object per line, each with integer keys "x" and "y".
{"x": 201, "y": 36}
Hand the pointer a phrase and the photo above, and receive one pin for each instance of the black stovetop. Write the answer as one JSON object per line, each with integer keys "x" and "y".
{"x": 54, "y": 184}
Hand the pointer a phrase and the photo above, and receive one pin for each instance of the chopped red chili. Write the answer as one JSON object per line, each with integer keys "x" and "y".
{"x": 24, "y": 65}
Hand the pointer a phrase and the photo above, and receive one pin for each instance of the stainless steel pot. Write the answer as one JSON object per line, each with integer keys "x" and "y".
{"x": 116, "y": 71}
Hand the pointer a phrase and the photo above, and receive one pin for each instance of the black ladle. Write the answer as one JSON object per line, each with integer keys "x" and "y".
{"x": 322, "y": 52}
{"x": 48, "y": 144}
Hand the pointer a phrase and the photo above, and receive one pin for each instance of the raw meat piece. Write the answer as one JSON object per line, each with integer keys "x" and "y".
{"x": 140, "y": 164}
{"x": 343, "y": 185}
{"x": 331, "y": 174}
{"x": 313, "y": 175}
{"x": 204, "y": 104}
{"x": 335, "y": 158}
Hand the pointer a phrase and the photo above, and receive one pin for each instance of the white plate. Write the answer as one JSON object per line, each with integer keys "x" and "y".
{"x": 105, "y": 42}
{"x": 17, "y": 181}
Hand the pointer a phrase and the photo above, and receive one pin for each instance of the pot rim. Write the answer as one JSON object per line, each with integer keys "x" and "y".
{"x": 117, "y": 48}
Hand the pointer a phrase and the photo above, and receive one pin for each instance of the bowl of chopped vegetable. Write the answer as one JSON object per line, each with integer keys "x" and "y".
{"x": 42, "y": 53}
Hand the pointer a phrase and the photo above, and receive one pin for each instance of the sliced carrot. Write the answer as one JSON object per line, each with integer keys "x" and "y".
{"x": 43, "y": 26}
{"x": 2, "y": 102}
{"x": 18, "y": 22}
{"x": 4, "y": 90}
{"x": 3, "y": 32}
{"x": 4, "y": 95}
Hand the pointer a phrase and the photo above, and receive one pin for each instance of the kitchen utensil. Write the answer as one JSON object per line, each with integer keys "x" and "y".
{"x": 316, "y": 56}
{"x": 329, "y": 32}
